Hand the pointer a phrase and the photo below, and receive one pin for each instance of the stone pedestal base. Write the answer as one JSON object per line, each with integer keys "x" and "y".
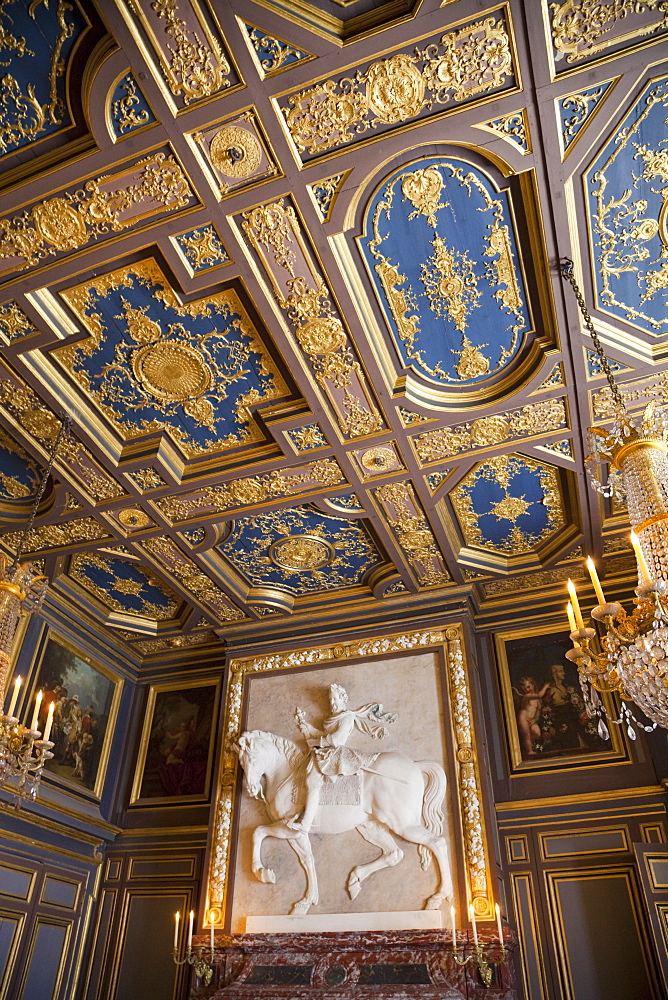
{"x": 319, "y": 923}
{"x": 380, "y": 965}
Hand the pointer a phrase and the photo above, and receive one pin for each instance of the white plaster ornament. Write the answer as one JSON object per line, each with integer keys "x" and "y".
{"x": 334, "y": 788}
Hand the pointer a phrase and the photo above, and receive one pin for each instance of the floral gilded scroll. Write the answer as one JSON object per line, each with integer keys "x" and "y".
{"x": 455, "y": 68}
{"x": 276, "y": 235}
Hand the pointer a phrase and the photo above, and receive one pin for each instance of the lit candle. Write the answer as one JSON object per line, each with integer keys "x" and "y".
{"x": 190, "y": 929}
{"x": 574, "y": 601}
{"x": 640, "y": 557}
{"x": 38, "y": 702}
{"x": 498, "y": 922}
{"x": 475, "y": 929}
{"x": 600, "y": 597}
{"x": 211, "y": 927}
{"x": 177, "y": 917}
{"x": 454, "y": 927}
{"x": 49, "y": 721}
{"x": 15, "y": 696}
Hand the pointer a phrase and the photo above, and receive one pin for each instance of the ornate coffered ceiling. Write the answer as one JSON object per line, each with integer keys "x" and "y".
{"x": 292, "y": 270}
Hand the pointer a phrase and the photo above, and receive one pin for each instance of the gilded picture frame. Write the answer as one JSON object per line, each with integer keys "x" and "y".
{"x": 175, "y": 756}
{"x": 455, "y": 710}
{"x": 87, "y": 695}
{"x": 547, "y": 728}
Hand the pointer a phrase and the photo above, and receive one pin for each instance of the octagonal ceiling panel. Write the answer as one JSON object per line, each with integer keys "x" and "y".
{"x": 152, "y": 363}
{"x": 301, "y": 550}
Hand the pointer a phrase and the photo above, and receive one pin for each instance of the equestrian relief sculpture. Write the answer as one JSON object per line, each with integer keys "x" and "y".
{"x": 334, "y": 788}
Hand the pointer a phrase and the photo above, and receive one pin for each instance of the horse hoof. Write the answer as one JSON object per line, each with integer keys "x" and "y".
{"x": 434, "y": 902}
{"x": 265, "y": 875}
{"x": 300, "y": 907}
{"x": 354, "y": 886}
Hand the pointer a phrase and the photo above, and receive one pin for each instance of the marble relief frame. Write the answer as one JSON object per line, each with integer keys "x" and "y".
{"x": 455, "y": 712}
{"x": 567, "y": 737}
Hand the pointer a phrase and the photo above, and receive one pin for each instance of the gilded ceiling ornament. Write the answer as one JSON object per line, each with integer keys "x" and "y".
{"x": 554, "y": 380}
{"x": 123, "y": 586}
{"x": 33, "y": 100}
{"x": 628, "y": 209}
{"x": 575, "y": 111}
{"x": 431, "y": 283}
{"x": 325, "y": 193}
{"x": 134, "y": 517}
{"x": 14, "y": 324}
{"x": 535, "y": 420}
{"x": 194, "y": 63}
{"x": 514, "y": 128}
{"x": 273, "y": 54}
{"x": 195, "y": 581}
{"x": 19, "y": 472}
{"x": 594, "y": 369}
{"x": 378, "y": 459}
{"x": 202, "y": 248}
{"x": 533, "y": 581}
{"x": 323, "y": 552}
{"x": 584, "y": 28}
{"x": 512, "y": 489}
{"x": 301, "y": 552}
{"x": 276, "y": 235}
{"x": 454, "y": 67}
{"x": 129, "y": 110}
{"x": 398, "y": 587}
{"x": 55, "y": 536}
{"x": 235, "y": 151}
{"x": 413, "y": 533}
{"x": 564, "y": 448}
{"x": 71, "y": 220}
{"x": 252, "y": 490}
{"x": 306, "y": 438}
{"x": 154, "y": 363}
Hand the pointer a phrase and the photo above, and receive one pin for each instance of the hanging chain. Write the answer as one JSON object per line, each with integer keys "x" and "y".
{"x": 62, "y": 434}
{"x": 566, "y": 265}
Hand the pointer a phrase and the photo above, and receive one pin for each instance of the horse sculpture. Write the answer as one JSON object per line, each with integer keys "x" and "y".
{"x": 393, "y": 800}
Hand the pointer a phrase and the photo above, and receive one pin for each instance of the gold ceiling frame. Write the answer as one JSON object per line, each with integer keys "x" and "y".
{"x": 342, "y": 32}
{"x": 461, "y": 734}
{"x": 545, "y": 337}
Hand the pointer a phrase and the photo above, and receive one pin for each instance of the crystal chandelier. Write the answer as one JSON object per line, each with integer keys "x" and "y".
{"x": 23, "y": 748}
{"x": 634, "y": 657}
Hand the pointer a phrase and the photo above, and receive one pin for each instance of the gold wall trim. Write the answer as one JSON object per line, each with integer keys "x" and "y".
{"x": 566, "y": 800}
{"x": 450, "y": 641}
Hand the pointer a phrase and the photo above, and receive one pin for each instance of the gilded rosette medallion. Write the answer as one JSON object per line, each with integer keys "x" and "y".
{"x": 441, "y": 249}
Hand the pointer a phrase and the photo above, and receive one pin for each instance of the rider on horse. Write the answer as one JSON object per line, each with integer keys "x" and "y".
{"x": 329, "y": 754}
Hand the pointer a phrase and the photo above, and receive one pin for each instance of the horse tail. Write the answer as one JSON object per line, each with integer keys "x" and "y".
{"x": 432, "y": 800}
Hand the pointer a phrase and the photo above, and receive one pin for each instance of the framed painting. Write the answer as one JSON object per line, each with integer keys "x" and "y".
{"x": 86, "y": 696}
{"x": 176, "y": 748}
{"x": 546, "y": 720}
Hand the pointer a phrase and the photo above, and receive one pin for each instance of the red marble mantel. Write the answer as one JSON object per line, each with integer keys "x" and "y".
{"x": 385, "y": 965}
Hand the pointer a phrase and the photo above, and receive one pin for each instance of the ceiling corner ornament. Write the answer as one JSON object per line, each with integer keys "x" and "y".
{"x": 193, "y": 60}
{"x": 576, "y": 110}
{"x": 14, "y": 324}
{"x": 514, "y": 128}
{"x": 276, "y": 235}
{"x": 325, "y": 192}
{"x": 272, "y": 54}
{"x": 585, "y": 29}
{"x": 128, "y": 108}
{"x": 413, "y": 533}
{"x": 102, "y": 206}
{"x": 154, "y": 363}
{"x": 201, "y": 249}
{"x": 627, "y": 204}
{"x": 35, "y": 67}
{"x": 441, "y": 250}
{"x": 451, "y": 69}
{"x": 509, "y": 504}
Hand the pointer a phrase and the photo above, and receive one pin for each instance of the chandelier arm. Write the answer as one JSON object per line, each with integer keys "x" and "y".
{"x": 566, "y": 266}
{"x": 62, "y": 433}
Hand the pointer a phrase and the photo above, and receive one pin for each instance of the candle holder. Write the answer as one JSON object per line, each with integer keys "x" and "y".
{"x": 22, "y": 757}
{"x": 477, "y": 957}
{"x": 195, "y": 957}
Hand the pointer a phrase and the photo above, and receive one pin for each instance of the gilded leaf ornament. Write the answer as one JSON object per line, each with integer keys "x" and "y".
{"x": 575, "y": 111}
{"x": 194, "y": 581}
{"x": 440, "y": 247}
{"x": 14, "y": 324}
{"x": 273, "y": 54}
{"x": 582, "y": 29}
{"x": 514, "y": 128}
{"x": 202, "y": 249}
{"x": 129, "y": 109}
{"x": 325, "y": 193}
{"x": 413, "y": 533}
{"x": 152, "y": 363}
{"x": 452, "y": 68}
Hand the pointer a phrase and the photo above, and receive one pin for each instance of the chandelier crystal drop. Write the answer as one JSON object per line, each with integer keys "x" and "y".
{"x": 24, "y": 750}
{"x": 634, "y": 657}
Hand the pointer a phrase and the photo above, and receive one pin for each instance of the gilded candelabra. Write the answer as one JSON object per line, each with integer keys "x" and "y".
{"x": 195, "y": 957}
{"x": 23, "y": 753}
{"x": 634, "y": 661}
{"x": 477, "y": 958}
